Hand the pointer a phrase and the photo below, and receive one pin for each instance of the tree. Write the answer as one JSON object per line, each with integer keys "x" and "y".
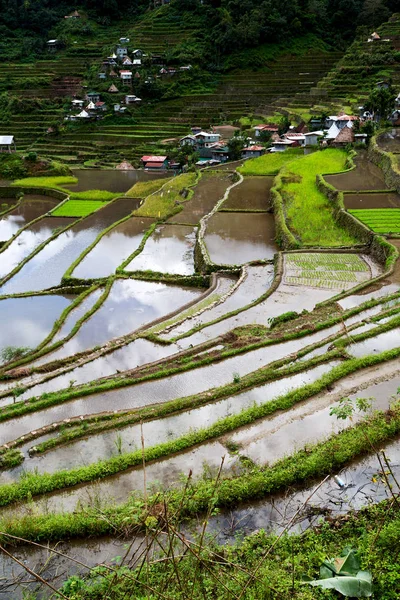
{"x": 235, "y": 146}
{"x": 381, "y": 101}
{"x": 283, "y": 125}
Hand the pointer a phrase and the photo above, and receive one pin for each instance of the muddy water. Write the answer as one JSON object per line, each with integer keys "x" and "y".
{"x": 157, "y": 432}
{"x": 31, "y": 207}
{"x": 286, "y": 298}
{"x": 135, "y": 354}
{"x": 29, "y": 239}
{"x": 25, "y": 322}
{"x": 366, "y": 176}
{"x": 112, "y": 180}
{"x": 130, "y": 305}
{"x": 389, "y": 200}
{"x": 252, "y": 194}
{"x": 389, "y": 141}
{"x": 169, "y": 250}
{"x": 74, "y": 316}
{"x": 358, "y": 299}
{"x": 158, "y": 391}
{"x": 258, "y": 280}
{"x": 47, "y": 268}
{"x": 7, "y": 203}
{"x": 377, "y": 344}
{"x": 207, "y": 193}
{"x": 113, "y": 249}
{"x": 271, "y": 439}
{"x": 395, "y": 276}
{"x": 363, "y": 485}
{"x": 237, "y": 238}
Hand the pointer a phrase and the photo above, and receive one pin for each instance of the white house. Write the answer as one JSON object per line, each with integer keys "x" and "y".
{"x": 333, "y": 132}
{"x": 312, "y": 138}
{"x": 126, "y": 76}
{"x": 138, "y": 53}
{"x": 122, "y": 48}
{"x": 131, "y": 99}
{"x": 77, "y": 103}
{"x": 188, "y": 140}
{"x": 137, "y": 62}
{"x": 126, "y": 61}
{"x": 7, "y": 144}
{"x": 282, "y": 145}
{"x": 204, "y": 138}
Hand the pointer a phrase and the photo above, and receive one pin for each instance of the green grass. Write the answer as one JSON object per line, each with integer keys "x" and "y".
{"x": 308, "y": 211}
{"x": 141, "y": 189}
{"x": 380, "y": 220}
{"x": 269, "y": 164}
{"x": 165, "y": 202}
{"x": 49, "y": 182}
{"x": 77, "y": 208}
{"x": 93, "y": 195}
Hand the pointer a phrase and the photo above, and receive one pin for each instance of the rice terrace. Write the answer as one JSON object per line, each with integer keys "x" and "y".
{"x": 199, "y": 302}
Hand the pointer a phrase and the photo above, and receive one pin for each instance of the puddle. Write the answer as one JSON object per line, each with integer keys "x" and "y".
{"x": 31, "y": 207}
{"x": 169, "y": 250}
{"x": 238, "y": 238}
{"x": 104, "y": 445}
{"x": 130, "y": 305}
{"x": 28, "y": 240}
{"x": 210, "y": 189}
{"x": 389, "y": 200}
{"x": 258, "y": 280}
{"x": 25, "y": 322}
{"x": 380, "y": 343}
{"x": 252, "y": 194}
{"x": 47, "y": 268}
{"x": 112, "y": 180}
{"x": 113, "y": 248}
{"x": 366, "y": 176}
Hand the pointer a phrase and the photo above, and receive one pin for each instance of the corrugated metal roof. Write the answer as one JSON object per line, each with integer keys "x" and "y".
{"x": 5, "y": 140}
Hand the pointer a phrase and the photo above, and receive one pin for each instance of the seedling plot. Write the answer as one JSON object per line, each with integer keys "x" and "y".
{"x": 380, "y": 220}
{"x": 77, "y": 208}
{"x": 328, "y": 271}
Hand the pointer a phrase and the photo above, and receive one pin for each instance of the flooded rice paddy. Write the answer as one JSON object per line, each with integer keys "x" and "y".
{"x": 30, "y": 208}
{"x": 29, "y": 239}
{"x": 237, "y": 238}
{"x": 112, "y": 249}
{"x": 365, "y": 176}
{"x": 389, "y": 141}
{"x": 210, "y": 189}
{"x": 47, "y": 268}
{"x": 112, "y": 180}
{"x": 170, "y": 249}
{"x": 252, "y": 194}
{"x": 25, "y": 322}
{"x": 379, "y": 200}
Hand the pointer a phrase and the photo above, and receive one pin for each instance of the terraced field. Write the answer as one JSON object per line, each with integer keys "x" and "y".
{"x": 188, "y": 342}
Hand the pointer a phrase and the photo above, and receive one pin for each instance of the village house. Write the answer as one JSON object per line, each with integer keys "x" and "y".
{"x": 125, "y": 166}
{"x": 102, "y": 75}
{"x": 344, "y": 137}
{"x": 293, "y": 136}
{"x": 73, "y": 15}
{"x": 253, "y": 151}
{"x": 188, "y": 140}
{"x": 52, "y": 45}
{"x": 101, "y": 106}
{"x": 311, "y": 138}
{"x": 122, "y": 48}
{"x": 205, "y": 139}
{"x": 374, "y": 37}
{"x": 93, "y": 96}
{"x": 131, "y": 99}
{"x": 137, "y": 62}
{"x": 7, "y": 144}
{"x": 120, "y": 109}
{"x": 282, "y": 145}
{"x": 77, "y": 103}
{"x": 127, "y": 61}
{"x": 258, "y": 129}
{"x": 138, "y": 53}
{"x": 154, "y": 163}
{"x": 126, "y": 76}
{"x": 113, "y": 89}
{"x": 219, "y": 152}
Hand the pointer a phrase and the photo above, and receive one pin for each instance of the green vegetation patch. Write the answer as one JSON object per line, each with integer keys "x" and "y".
{"x": 309, "y": 212}
{"x": 331, "y": 271}
{"x": 50, "y": 182}
{"x": 77, "y": 208}
{"x": 94, "y": 195}
{"x": 141, "y": 189}
{"x": 269, "y": 164}
{"x": 380, "y": 220}
{"x": 167, "y": 201}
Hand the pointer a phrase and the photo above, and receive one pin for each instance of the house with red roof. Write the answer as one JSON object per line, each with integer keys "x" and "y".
{"x": 253, "y": 151}
{"x": 155, "y": 163}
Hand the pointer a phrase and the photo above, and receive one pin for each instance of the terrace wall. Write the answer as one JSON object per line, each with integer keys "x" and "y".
{"x": 387, "y": 162}
{"x": 12, "y": 192}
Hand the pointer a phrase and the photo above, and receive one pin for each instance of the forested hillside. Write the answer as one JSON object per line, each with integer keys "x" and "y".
{"x": 222, "y": 25}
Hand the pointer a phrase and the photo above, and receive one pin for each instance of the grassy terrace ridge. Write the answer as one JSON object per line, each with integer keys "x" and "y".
{"x": 57, "y": 182}
{"x": 141, "y": 189}
{"x": 309, "y": 214}
{"x": 169, "y": 198}
{"x": 270, "y": 164}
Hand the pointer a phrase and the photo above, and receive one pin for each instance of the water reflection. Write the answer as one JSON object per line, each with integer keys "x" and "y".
{"x": 31, "y": 207}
